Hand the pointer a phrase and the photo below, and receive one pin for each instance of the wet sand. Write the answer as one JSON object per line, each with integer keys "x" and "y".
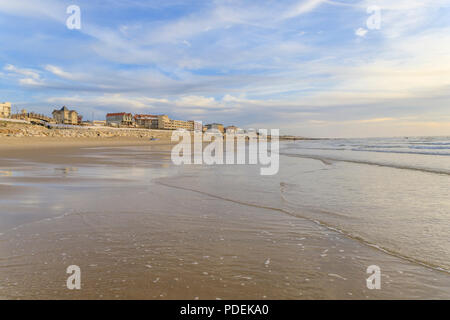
{"x": 141, "y": 228}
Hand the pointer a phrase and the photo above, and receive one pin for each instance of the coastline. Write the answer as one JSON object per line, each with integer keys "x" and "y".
{"x": 33, "y": 143}
{"x": 15, "y": 136}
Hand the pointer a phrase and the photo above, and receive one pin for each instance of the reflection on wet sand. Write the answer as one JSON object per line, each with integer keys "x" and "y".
{"x": 5, "y": 173}
{"x": 66, "y": 170}
{"x": 141, "y": 228}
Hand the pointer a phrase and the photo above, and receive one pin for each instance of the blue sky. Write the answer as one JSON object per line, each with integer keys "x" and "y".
{"x": 309, "y": 67}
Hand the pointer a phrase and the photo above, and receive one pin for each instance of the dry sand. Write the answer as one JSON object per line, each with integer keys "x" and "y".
{"x": 23, "y": 143}
{"x": 50, "y": 149}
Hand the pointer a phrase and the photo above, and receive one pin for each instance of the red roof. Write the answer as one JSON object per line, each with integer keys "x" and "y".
{"x": 145, "y": 116}
{"x": 118, "y": 114}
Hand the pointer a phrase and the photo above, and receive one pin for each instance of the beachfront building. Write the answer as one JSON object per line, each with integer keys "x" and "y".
{"x": 119, "y": 119}
{"x": 32, "y": 117}
{"x": 65, "y": 116}
{"x": 148, "y": 121}
{"x": 5, "y": 110}
{"x": 215, "y": 126}
{"x": 165, "y": 123}
{"x": 99, "y": 123}
{"x": 198, "y": 127}
{"x": 232, "y": 129}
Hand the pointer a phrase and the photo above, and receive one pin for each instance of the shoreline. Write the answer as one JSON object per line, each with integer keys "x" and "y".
{"x": 15, "y": 136}
{"x": 33, "y": 143}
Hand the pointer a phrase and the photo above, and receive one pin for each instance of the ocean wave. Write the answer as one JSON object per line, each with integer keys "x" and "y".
{"x": 404, "y": 152}
{"x": 390, "y": 149}
{"x": 394, "y": 146}
{"x": 318, "y": 222}
{"x": 433, "y": 143}
{"x": 372, "y": 163}
{"x": 433, "y": 147}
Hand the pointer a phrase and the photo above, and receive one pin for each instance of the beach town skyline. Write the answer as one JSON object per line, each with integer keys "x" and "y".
{"x": 361, "y": 74}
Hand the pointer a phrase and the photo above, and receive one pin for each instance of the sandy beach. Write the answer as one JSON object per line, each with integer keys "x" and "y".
{"x": 28, "y": 143}
{"x": 141, "y": 228}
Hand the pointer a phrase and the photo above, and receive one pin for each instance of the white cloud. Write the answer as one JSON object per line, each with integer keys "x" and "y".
{"x": 42, "y": 9}
{"x": 197, "y": 101}
{"x": 30, "y": 82}
{"x": 114, "y": 101}
{"x": 361, "y": 32}
{"x": 33, "y": 74}
{"x": 59, "y": 72}
{"x": 302, "y": 7}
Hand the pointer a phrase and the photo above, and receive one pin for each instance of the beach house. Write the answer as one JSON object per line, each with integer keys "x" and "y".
{"x": 215, "y": 126}
{"x": 232, "y": 129}
{"x": 119, "y": 119}
{"x": 146, "y": 121}
{"x": 165, "y": 123}
{"x": 5, "y": 110}
{"x": 65, "y": 116}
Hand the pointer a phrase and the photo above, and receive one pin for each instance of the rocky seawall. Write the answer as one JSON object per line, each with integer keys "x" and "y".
{"x": 11, "y": 129}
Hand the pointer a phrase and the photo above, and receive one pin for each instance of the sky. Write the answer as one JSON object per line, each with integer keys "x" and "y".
{"x": 317, "y": 68}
